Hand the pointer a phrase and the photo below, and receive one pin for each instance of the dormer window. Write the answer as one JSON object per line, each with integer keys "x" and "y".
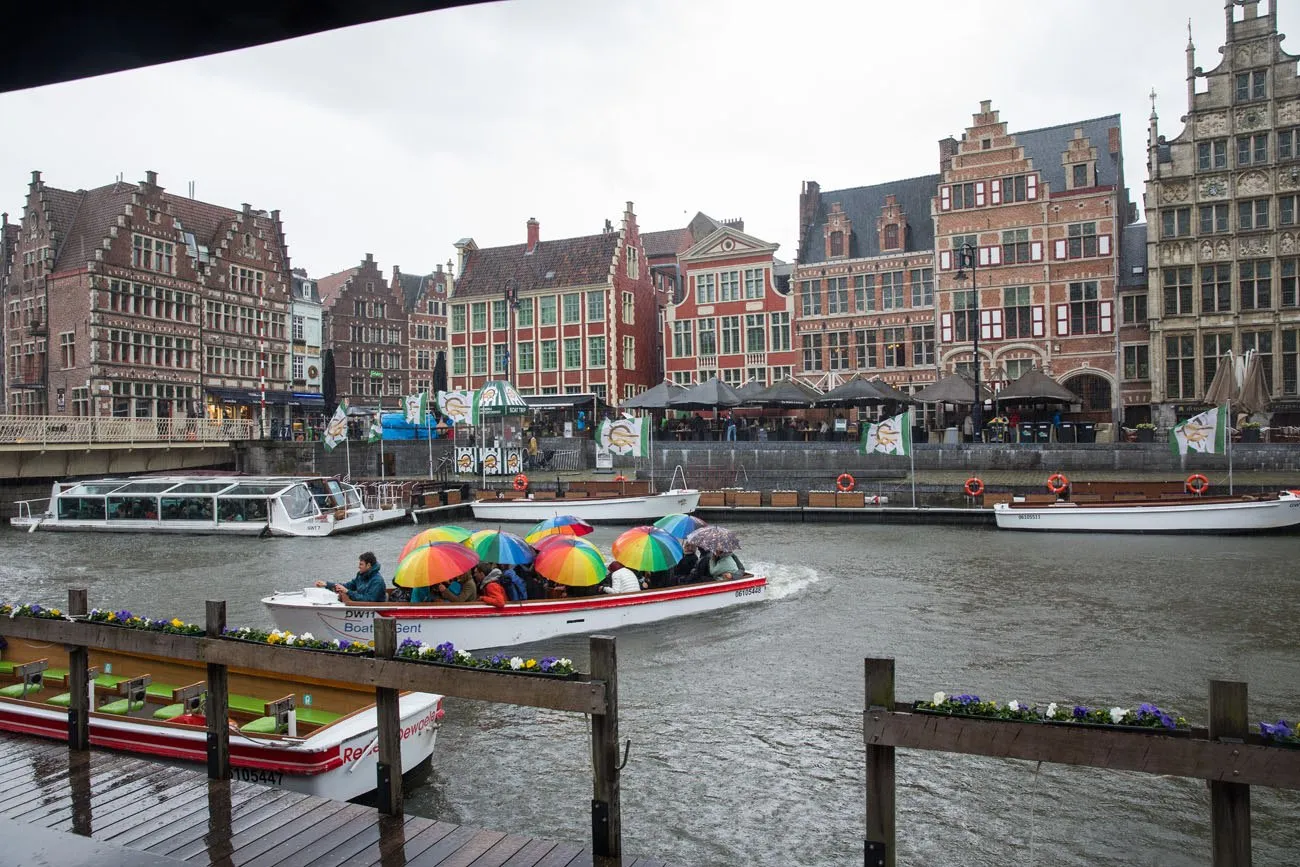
{"x": 891, "y": 237}
{"x": 837, "y": 243}
{"x": 1079, "y": 174}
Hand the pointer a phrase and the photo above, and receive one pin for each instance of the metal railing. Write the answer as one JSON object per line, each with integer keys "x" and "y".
{"x": 45, "y": 429}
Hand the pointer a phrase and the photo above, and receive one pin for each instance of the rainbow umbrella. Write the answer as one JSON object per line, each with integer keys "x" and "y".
{"x": 434, "y": 563}
{"x": 570, "y": 561}
{"x": 648, "y": 549}
{"x": 445, "y": 533}
{"x": 560, "y": 525}
{"x": 680, "y": 526}
{"x": 497, "y": 546}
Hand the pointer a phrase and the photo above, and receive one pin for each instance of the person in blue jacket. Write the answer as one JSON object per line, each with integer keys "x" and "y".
{"x": 516, "y": 589}
{"x": 367, "y": 586}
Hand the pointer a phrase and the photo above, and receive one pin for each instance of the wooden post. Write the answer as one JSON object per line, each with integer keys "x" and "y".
{"x": 389, "y": 718}
{"x": 880, "y": 843}
{"x": 606, "y": 810}
{"x": 78, "y": 681}
{"x": 1229, "y": 802}
{"x": 218, "y": 704}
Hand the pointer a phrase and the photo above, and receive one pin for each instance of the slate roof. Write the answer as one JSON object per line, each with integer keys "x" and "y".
{"x": 331, "y": 285}
{"x": 669, "y": 242}
{"x": 83, "y": 219}
{"x": 1133, "y": 252}
{"x": 1046, "y": 145}
{"x": 863, "y": 204}
{"x": 569, "y": 262}
{"x": 411, "y": 284}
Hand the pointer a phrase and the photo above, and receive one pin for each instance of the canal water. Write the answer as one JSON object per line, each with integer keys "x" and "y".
{"x": 745, "y": 725}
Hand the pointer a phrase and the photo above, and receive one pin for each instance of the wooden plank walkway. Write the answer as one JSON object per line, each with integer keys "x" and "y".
{"x": 128, "y": 805}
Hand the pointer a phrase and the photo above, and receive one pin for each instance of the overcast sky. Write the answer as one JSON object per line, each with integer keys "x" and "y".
{"x": 400, "y": 137}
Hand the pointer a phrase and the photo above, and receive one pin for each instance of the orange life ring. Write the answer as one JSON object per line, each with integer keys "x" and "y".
{"x": 844, "y": 483}
{"x": 974, "y": 487}
{"x": 521, "y": 482}
{"x": 1197, "y": 484}
{"x": 620, "y": 478}
{"x": 1057, "y": 483}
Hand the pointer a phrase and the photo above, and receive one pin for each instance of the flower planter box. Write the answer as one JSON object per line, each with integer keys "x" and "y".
{"x": 453, "y": 497}
{"x": 749, "y": 498}
{"x": 432, "y": 500}
{"x": 991, "y": 500}
{"x": 848, "y": 500}
{"x": 712, "y": 498}
{"x": 543, "y": 495}
{"x": 729, "y": 497}
{"x": 821, "y": 499}
{"x": 785, "y": 499}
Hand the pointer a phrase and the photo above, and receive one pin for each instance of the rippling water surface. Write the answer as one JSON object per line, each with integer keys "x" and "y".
{"x": 746, "y": 724}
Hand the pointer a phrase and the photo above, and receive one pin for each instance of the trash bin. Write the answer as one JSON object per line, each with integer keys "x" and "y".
{"x": 1042, "y": 431}
{"x": 1026, "y": 431}
{"x": 996, "y": 433}
{"x": 1086, "y": 431}
{"x": 1066, "y": 432}
{"x": 951, "y": 436}
{"x": 920, "y": 434}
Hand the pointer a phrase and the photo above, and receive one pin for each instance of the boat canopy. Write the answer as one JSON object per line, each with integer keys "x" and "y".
{"x": 234, "y": 486}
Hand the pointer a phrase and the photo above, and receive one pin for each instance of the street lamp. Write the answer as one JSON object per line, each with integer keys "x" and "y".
{"x": 966, "y": 258}
{"x": 512, "y": 304}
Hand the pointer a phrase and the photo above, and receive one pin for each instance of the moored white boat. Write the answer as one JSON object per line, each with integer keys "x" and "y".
{"x": 1211, "y": 515}
{"x": 475, "y": 625}
{"x": 642, "y": 509}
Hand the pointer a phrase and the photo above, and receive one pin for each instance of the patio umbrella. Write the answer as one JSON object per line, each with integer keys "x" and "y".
{"x": 953, "y": 388}
{"x": 1254, "y": 390}
{"x": 1223, "y": 387}
{"x": 572, "y": 562}
{"x": 712, "y": 394}
{"x": 657, "y": 397}
{"x": 786, "y": 392}
{"x": 649, "y": 549}
{"x": 558, "y": 525}
{"x": 680, "y": 526}
{"x": 445, "y": 533}
{"x": 715, "y": 539}
{"x": 497, "y": 546}
{"x": 888, "y": 392}
{"x": 1033, "y": 384}
{"x": 751, "y": 388}
{"x": 855, "y": 392}
{"x": 434, "y": 563}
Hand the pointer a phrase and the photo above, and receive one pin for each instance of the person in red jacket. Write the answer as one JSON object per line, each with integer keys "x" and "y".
{"x": 489, "y": 586}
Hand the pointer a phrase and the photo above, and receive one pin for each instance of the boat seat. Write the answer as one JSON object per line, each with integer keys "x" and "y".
{"x": 134, "y": 692}
{"x": 317, "y": 717}
{"x": 276, "y": 719}
{"x": 246, "y": 704}
{"x": 170, "y": 711}
{"x": 264, "y": 725}
{"x": 32, "y": 674}
{"x": 159, "y": 690}
{"x": 6, "y": 667}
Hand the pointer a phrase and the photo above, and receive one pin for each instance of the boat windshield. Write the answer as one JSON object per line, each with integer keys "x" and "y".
{"x": 298, "y": 502}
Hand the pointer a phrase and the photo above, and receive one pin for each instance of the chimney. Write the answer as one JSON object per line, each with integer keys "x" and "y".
{"x": 809, "y": 203}
{"x": 947, "y": 150}
{"x": 534, "y": 231}
{"x": 36, "y": 177}
{"x": 609, "y": 227}
{"x": 370, "y": 257}
{"x": 439, "y": 267}
{"x": 151, "y": 178}
{"x": 1114, "y": 139}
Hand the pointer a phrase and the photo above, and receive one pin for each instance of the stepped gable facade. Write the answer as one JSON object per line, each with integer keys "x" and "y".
{"x": 365, "y": 324}
{"x": 425, "y": 299}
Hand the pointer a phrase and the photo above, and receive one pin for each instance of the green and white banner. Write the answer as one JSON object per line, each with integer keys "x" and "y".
{"x": 892, "y": 436}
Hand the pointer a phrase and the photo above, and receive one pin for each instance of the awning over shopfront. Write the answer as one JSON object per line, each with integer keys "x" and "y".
{"x": 253, "y": 397}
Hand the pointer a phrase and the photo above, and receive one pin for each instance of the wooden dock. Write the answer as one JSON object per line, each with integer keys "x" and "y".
{"x": 139, "y": 812}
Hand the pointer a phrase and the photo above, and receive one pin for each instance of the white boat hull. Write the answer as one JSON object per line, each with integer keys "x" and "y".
{"x": 610, "y": 510}
{"x": 473, "y": 626}
{"x": 1240, "y": 516}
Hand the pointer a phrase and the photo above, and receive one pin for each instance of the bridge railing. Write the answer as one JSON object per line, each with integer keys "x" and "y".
{"x": 44, "y": 429}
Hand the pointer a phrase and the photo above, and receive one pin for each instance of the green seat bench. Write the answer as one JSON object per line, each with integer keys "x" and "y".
{"x": 134, "y": 692}
{"x": 32, "y": 674}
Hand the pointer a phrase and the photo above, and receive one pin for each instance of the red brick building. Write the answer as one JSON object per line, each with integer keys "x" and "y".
{"x": 8, "y": 243}
{"x": 365, "y": 323}
{"x": 570, "y": 316}
{"x": 425, "y": 299}
{"x": 127, "y": 300}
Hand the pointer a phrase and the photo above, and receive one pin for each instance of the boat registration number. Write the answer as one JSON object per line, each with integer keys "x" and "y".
{"x": 255, "y": 775}
{"x": 748, "y": 591}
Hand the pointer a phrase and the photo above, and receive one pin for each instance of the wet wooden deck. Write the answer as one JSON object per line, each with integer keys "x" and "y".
{"x": 129, "y": 806}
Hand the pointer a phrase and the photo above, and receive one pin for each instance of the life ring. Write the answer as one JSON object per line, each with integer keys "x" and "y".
{"x": 844, "y": 483}
{"x": 974, "y": 487}
{"x": 620, "y": 478}
{"x": 1057, "y": 483}
{"x": 521, "y": 482}
{"x": 1197, "y": 484}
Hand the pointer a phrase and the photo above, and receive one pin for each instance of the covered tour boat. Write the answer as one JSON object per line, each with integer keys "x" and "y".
{"x": 318, "y": 738}
{"x": 609, "y": 502}
{"x": 215, "y": 505}
{"x": 1251, "y": 513}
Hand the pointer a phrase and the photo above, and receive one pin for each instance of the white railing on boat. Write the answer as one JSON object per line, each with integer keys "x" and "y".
{"x": 45, "y": 430}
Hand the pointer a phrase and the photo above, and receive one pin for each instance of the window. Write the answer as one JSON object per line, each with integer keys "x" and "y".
{"x": 895, "y": 347}
{"x": 1288, "y": 143}
{"x": 922, "y": 280}
{"x": 1178, "y": 291}
{"x": 963, "y": 196}
{"x": 525, "y": 355}
{"x": 812, "y": 352}
{"x": 1252, "y": 85}
{"x": 959, "y": 243}
{"x": 963, "y": 314}
{"x": 1214, "y": 218}
{"x": 810, "y": 297}
{"x": 729, "y": 286}
{"x": 500, "y": 357}
{"x": 1180, "y": 367}
{"x": 1290, "y": 365}
{"x": 891, "y": 290}
{"x": 1079, "y": 175}
{"x": 837, "y": 350}
{"x": 524, "y": 313}
{"x": 1216, "y": 288}
{"x": 633, "y": 263}
{"x": 1252, "y": 149}
{"x": 707, "y": 329}
{"x": 1134, "y": 309}
{"x": 629, "y": 308}
{"x": 1017, "y": 314}
{"x": 1175, "y": 222}
{"x": 891, "y": 237}
{"x": 423, "y": 357}
{"x": 572, "y": 308}
{"x": 1262, "y": 343}
{"x": 1085, "y": 308}
{"x": 864, "y": 293}
{"x": 299, "y": 327}
{"x": 922, "y": 345}
{"x": 458, "y": 318}
{"x": 755, "y": 332}
{"x": 1081, "y": 240}
{"x": 837, "y": 244}
{"x": 1015, "y": 247}
{"x": 596, "y": 351}
{"x": 479, "y": 354}
{"x": 755, "y": 281}
{"x": 1014, "y": 189}
{"x": 733, "y": 376}
{"x": 478, "y": 316}
{"x": 68, "y": 349}
{"x": 731, "y": 335}
{"x": 629, "y": 353}
{"x": 546, "y": 313}
{"x": 572, "y": 353}
{"x": 1252, "y": 214}
{"x": 1255, "y": 284}
{"x": 500, "y": 321}
{"x": 596, "y": 305}
{"x": 1212, "y": 154}
{"x": 151, "y": 254}
{"x": 1287, "y": 292}
{"x": 705, "y": 289}
{"x": 1137, "y": 365}
{"x": 780, "y": 332}
{"x": 683, "y": 340}
{"x": 1213, "y": 348}
{"x": 756, "y": 374}
{"x": 1286, "y": 210}
{"x": 298, "y": 365}
{"x": 866, "y": 350}
{"x": 837, "y": 295}
{"x": 550, "y": 355}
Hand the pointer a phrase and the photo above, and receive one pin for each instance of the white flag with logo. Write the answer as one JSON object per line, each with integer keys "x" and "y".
{"x": 416, "y": 407}
{"x": 376, "y": 428}
{"x": 1206, "y": 433}
{"x": 457, "y": 406}
{"x": 892, "y": 436}
{"x": 337, "y": 429}
{"x": 625, "y": 436}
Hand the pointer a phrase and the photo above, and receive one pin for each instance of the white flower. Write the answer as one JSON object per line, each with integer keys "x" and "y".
{"x": 1013, "y": 706}
{"x": 1117, "y": 714}
{"x": 564, "y": 660}
{"x": 516, "y": 662}
{"x": 940, "y": 698}
{"x": 306, "y": 636}
{"x": 1051, "y": 711}
{"x": 463, "y": 656}
{"x": 290, "y": 639}
{"x": 338, "y": 643}
{"x": 427, "y": 649}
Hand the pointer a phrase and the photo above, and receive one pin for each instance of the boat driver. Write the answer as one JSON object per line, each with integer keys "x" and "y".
{"x": 367, "y": 586}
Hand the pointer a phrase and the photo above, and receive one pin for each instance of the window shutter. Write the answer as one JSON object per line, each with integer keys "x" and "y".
{"x": 1107, "y": 315}
{"x": 979, "y": 194}
{"x": 1035, "y": 251}
{"x": 1060, "y": 250}
{"x": 995, "y": 192}
{"x": 1036, "y": 314}
{"x": 1103, "y": 245}
{"x": 1062, "y": 320}
{"x": 986, "y": 325}
{"x": 995, "y": 255}
{"x": 997, "y": 324}
{"x": 945, "y": 260}
{"x": 945, "y": 198}
{"x": 945, "y": 327}
{"x": 1031, "y": 187}
{"x": 984, "y": 256}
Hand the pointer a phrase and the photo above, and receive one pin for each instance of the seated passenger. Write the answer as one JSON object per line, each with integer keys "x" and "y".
{"x": 723, "y": 566}
{"x": 624, "y": 580}
{"x": 489, "y": 587}
{"x": 685, "y": 567}
{"x": 461, "y": 589}
{"x": 516, "y": 590}
{"x": 367, "y": 586}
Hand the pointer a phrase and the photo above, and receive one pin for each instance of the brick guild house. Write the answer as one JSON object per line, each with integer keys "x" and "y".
{"x": 364, "y": 322}
{"x": 570, "y": 316}
{"x": 425, "y": 300}
{"x": 8, "y": 242}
